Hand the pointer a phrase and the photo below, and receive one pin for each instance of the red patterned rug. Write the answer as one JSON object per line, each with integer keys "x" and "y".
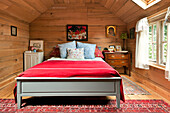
{"x": 82, "y": 104}
{"x": 131, "y": 88}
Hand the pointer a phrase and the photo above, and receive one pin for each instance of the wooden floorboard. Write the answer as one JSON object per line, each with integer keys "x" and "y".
{"x": 127, "y": 97}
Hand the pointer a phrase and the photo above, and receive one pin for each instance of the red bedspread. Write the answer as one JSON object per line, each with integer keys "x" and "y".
{"x": 65, "y": 68}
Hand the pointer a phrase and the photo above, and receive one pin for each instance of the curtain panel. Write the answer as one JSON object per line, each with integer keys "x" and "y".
{"x": 142, "y": 53}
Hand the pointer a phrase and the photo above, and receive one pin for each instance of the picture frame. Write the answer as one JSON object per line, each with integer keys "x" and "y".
{"x": 38, "y": 44}
{"x": 118, "y": 48}
{"x": 113, "y": 47}
{"x": 110, "y": 31}
{"x": 13, "y": 31}
{"x": 132, "y": 33}
{"x": 77, "y": 32}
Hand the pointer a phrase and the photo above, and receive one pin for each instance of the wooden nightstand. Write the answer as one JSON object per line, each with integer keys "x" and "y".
{"x": 32, "y": 58}
{"x": 119, "y": 59}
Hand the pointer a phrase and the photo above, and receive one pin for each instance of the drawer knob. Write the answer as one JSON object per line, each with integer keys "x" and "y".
{"x": 123, "y": 56}
{"x": 112, "y": 61}
{"x": 123, "y": 62}
{"x": 113, "y": 56}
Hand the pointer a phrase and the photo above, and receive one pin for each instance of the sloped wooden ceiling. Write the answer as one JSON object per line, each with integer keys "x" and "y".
{"x": 29, "y": 10}
{"x": 128, "y": 11}
{"x": 25, "y": 10}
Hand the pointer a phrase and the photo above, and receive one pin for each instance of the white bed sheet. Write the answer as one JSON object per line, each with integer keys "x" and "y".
{"x": 95, "y": 59}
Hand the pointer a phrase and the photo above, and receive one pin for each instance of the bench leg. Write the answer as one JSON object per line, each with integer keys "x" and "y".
{"x": 19, "y": 100}
{"x": 118, "y": 93}
{"x": 118, "y": 100}
{"x": 19, "y": 97}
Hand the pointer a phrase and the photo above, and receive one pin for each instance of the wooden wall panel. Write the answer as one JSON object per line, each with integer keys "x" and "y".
{"x": 11, "y": 51}
{"x": 51, "y": 25}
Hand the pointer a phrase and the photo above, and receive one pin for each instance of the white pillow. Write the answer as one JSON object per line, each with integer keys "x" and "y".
{"x": 75, "y": 53}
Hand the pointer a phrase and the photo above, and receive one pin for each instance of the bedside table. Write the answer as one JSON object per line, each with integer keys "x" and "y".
{"x": 119, "y": 59}
{"x": 32, "y": 58}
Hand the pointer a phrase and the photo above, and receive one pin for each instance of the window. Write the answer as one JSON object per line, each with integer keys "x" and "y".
{"x": 146, "y": 3}
{"x": 164, "y": 38}
{"x": 152, "y": 42}
{"x": 158, "y": 37}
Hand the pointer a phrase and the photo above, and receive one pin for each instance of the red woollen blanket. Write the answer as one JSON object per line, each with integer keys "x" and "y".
{"x": 66, "y": 68}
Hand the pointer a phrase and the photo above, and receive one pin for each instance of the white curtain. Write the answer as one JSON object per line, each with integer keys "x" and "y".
{"x": 142, "y": 53}
{"x": 167, "y": 68}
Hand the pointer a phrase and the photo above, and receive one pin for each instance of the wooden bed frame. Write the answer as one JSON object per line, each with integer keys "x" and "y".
{"x": 74, "y": 86}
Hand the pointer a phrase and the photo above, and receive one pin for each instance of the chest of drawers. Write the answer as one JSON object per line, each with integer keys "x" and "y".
{"x": 118, "y": 59}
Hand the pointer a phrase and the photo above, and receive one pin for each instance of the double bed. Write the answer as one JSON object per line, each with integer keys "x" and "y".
{"x": 64, "y": 77}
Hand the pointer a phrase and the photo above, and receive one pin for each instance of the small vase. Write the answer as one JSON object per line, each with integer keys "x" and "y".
{"x": 35, "y": 50}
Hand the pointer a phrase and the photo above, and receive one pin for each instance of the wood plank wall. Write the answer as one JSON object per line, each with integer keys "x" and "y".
{"x": 11, "y": 51}
{"x": 51, "y": 25}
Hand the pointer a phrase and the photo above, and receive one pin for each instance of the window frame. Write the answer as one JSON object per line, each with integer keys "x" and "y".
{"x": 159, "y": 42}
{"x": 153, "y": 42}
{"x": 162, "y": 42}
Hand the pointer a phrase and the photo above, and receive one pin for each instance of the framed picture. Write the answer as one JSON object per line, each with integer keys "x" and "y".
{"x": 13, "y": 31}
{"x": 112, "y": 47}
{"x": 132, "y": 33}
{"x": 38, "y": 44}
{"x": 118, "y": 48}
{"x": 110, "y": 31}
{"x": 77, "y": 32}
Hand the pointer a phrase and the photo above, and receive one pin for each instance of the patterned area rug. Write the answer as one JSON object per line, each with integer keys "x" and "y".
{"x": 74, "y": 104}
{"x": 131, "y": 88}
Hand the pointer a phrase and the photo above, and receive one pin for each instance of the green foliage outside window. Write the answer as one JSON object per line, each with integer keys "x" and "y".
{"x": 153, "y": 43}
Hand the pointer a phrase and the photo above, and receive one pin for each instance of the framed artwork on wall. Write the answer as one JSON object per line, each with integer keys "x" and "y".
{"x": 110, "y": 31}
{"x": 132, "y": 33}
{"x": 13, "y": 31}
{"x": 77, "y": 32}
{"x": 38, "y": 44}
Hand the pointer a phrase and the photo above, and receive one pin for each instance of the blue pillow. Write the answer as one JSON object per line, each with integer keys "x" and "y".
{"x": 89, "y": 49}
{"x": 63, "y": 47}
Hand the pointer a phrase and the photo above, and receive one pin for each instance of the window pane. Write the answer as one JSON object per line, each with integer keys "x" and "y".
{"x": 154, "y": 32}
{"x": 164, "y": 51}
{"x": 150, "y": 51}
{"x": 165, "y": 33}
{"x": 150, "y": 33}
{"x": 154, "y": 51}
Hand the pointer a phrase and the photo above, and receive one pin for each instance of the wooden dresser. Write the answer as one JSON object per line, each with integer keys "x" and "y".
{"x": 119, "y": 59}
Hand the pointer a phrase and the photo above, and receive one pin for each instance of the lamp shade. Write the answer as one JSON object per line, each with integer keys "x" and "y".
{"x": 123, "y": 36}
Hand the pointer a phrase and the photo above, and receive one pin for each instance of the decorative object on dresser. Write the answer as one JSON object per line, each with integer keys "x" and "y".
{"x": 38, "y": 44}
{"x": 110, "y": 31}
{"x": 118, "y": 48}
{"x": 112, "y": 48}
{"x": 77, "y": 32}
{"x": 32, "y": 58}
{"x": 119, "y": 59}
{"x": 124, "y": 37}
{"x": 13, "y": 31}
